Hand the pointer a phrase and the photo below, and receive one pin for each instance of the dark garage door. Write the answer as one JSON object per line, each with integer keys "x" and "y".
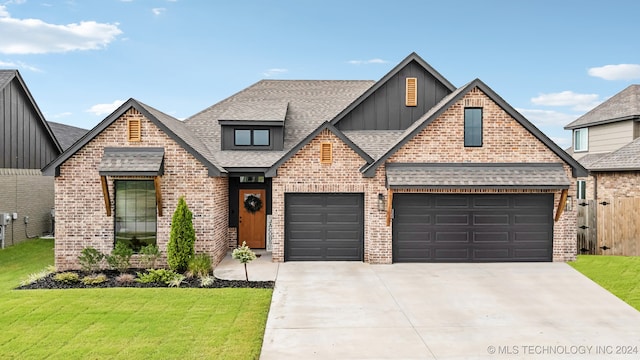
{"x": 467, "y": 228}
{"x": 324, "y": 227}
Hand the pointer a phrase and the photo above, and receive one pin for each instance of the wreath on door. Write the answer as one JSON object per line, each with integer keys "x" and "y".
{"x": 252, "y": 203}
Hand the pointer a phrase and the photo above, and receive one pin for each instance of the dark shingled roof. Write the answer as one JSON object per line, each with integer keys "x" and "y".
{"x": 627, "y": 158}
{"x": 310, "y": 103}
{"x": 140, "y": 161}
{"x": 590, "y": 159}
{"x": 373, "y": 142}
{"x": 477, "y": 175}
{"x": 6, "y": 76}
{"x": 66, "y": 134}
{"x": 622, "y": 106}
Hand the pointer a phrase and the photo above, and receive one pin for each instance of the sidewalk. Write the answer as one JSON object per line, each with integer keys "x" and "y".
{"x": 260, "y": 269}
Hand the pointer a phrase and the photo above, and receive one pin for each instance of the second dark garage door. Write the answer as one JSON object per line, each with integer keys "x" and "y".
{"x": 467, "y": 228}
{"x": 324, "y": 227}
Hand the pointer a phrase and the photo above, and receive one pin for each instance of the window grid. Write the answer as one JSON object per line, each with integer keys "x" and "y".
{"x": 473, "y": 127}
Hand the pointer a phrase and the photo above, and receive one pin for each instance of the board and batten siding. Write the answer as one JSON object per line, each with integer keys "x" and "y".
{"x": 611, "y": 137}
{"x": 385, "y": 109}
{"x": 25, "y": 142}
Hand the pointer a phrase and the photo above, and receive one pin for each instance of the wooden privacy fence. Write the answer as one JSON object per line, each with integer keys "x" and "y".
{"x": 587, "y": 241}
{"x": 618, "y": 227}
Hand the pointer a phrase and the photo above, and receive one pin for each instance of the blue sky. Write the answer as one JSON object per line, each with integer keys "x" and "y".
{"x": 551, "y": 60}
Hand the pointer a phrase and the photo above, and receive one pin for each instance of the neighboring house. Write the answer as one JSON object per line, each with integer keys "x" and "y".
{"x": 27, "y": 144}
{"x": 405, "y": 169}
{"x": 606, "y": 142}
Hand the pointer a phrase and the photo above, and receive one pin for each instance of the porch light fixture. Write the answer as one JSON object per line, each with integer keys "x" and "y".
{"x": 381, "y": 206}
{"x": 569, "y": 205}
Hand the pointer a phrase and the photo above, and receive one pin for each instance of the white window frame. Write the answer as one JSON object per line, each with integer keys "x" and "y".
{"x": 583, "y": 144}
{"x": 581, "y": 189}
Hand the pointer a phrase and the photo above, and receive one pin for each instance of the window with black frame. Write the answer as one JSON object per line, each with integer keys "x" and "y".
{"x": 472, "y": 127}
{"x": 135, "y": 213}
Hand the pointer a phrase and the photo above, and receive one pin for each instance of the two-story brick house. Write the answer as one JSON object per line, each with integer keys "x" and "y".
{"x": 405, "y": 169}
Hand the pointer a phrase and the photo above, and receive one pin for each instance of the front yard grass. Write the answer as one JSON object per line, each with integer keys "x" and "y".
{"x": 620, "y": 275}
{"x": 123, "y": 323}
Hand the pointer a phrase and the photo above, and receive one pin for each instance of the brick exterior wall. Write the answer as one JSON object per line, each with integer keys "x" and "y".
{"x": 28, "y": 193}
{"x": 619, "y": 184}
{"x": 81, "y": 218}
{"x": 504, "y": 141}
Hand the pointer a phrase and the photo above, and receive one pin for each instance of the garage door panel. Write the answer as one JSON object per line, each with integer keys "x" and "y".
{"x": 452, "y": 237}
{"x": 324, "y": 227}
{"x": 504, "y": 227}
{"x": 491, "y": 237}
{"x": 452, "y": 219}
{"x": 491, "y": 219}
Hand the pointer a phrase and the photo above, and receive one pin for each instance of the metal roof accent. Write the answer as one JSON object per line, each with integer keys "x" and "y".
{"x": 624, "y": 105}
{"x": 451, "y": 99}
{"x": 477, "y": 176}
{"x": 136, "y": 161}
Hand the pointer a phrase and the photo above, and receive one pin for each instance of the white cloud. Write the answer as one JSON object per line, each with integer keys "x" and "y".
{"x": 274, "y": 72}
{"x": 364, "y": 62}
{"x": 104, "y": 109}
{"x": 616, "y": 72}
{"x": 19, "y": 65}
{"x": 34, "y": 36}
{"x": 158, "y": 11}
{"x": 563, "y": 142}
{"x": 578, "y": 102}
{"x": 547, "y": 117}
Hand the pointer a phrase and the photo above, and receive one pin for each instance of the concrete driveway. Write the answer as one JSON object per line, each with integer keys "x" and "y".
{"x": 340, "y": 310}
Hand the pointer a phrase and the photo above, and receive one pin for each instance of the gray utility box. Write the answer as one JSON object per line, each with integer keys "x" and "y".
{"x": 5, "y": 219}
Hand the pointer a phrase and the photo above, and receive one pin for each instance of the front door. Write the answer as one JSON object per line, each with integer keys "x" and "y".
{"x": 253, "y": 218}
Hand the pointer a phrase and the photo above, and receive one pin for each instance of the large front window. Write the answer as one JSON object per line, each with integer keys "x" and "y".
{"x": 135, "y": 213}
{"x": 580, "y": 139}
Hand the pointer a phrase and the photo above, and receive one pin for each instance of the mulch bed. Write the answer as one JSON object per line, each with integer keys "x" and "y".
{"x": 49, "y": 283}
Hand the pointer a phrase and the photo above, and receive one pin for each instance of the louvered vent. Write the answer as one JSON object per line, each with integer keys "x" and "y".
{"x": 412, "y": 92}
{"x": 135, "y": 131}
{"x": 326, "y": 153}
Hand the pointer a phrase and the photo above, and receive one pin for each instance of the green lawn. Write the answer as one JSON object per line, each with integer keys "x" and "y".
{"x": 618, "y": 274}
{"x": 123, "y": 323}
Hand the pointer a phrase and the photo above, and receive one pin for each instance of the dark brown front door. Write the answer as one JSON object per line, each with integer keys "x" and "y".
{"x": 252, "y": 225}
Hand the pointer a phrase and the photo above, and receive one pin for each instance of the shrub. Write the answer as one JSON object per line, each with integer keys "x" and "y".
{"x": 200, "y": 265}
{"x": 120, "y": 258}
{"x": 38, "y": 276}
{"x": 244, "y": 255}
{"x": 67, "y": 277}
{"x": 176, "y": 281}
{"x": 90, "y": 259}
{"x": 149, "y": 255}
{"x": 125, "y": 279}
{"x": 162, "y": 276}
{"x": 207, "y": 281}
{"x": 94, "y": 279}
{"x": 181, "y": 240}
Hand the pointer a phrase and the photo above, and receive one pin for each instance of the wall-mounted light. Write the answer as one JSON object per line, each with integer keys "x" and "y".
{"x": 381, "y": 205}
{"x": 569, "y": 204}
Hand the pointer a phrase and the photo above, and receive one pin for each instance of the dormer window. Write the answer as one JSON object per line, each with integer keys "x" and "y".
{"x": 251, "y": 137}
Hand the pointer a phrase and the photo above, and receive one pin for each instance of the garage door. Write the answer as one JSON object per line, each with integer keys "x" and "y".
{"x": 324, "y": 227}
{"x": 468, "y": 228}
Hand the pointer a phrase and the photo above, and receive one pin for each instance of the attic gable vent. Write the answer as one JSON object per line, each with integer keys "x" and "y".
{"x": 134, "y": 130}
{"x": 326, "y": 153}
{"x": 411, "y": 91}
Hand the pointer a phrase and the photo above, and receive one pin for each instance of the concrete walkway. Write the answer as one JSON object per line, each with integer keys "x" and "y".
{"x": 342, "y": 310}
{"x": 260, "y": 269}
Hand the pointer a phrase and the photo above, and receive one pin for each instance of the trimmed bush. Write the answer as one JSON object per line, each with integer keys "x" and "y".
{"x": 90, "y": 259}
{"x": 149, "y": 255}
{"x": 67, "y": 277}
{"x": 182, "y": 238}
{"x": 120, "y": 258}
{"x": 161, "y": 276}
{"x": 245, "y": 255}
{"x": 94, "y": 279}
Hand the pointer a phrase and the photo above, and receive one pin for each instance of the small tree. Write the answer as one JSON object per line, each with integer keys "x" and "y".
{"x": 182, "y": 238}
{"x": 244, "y": 255}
